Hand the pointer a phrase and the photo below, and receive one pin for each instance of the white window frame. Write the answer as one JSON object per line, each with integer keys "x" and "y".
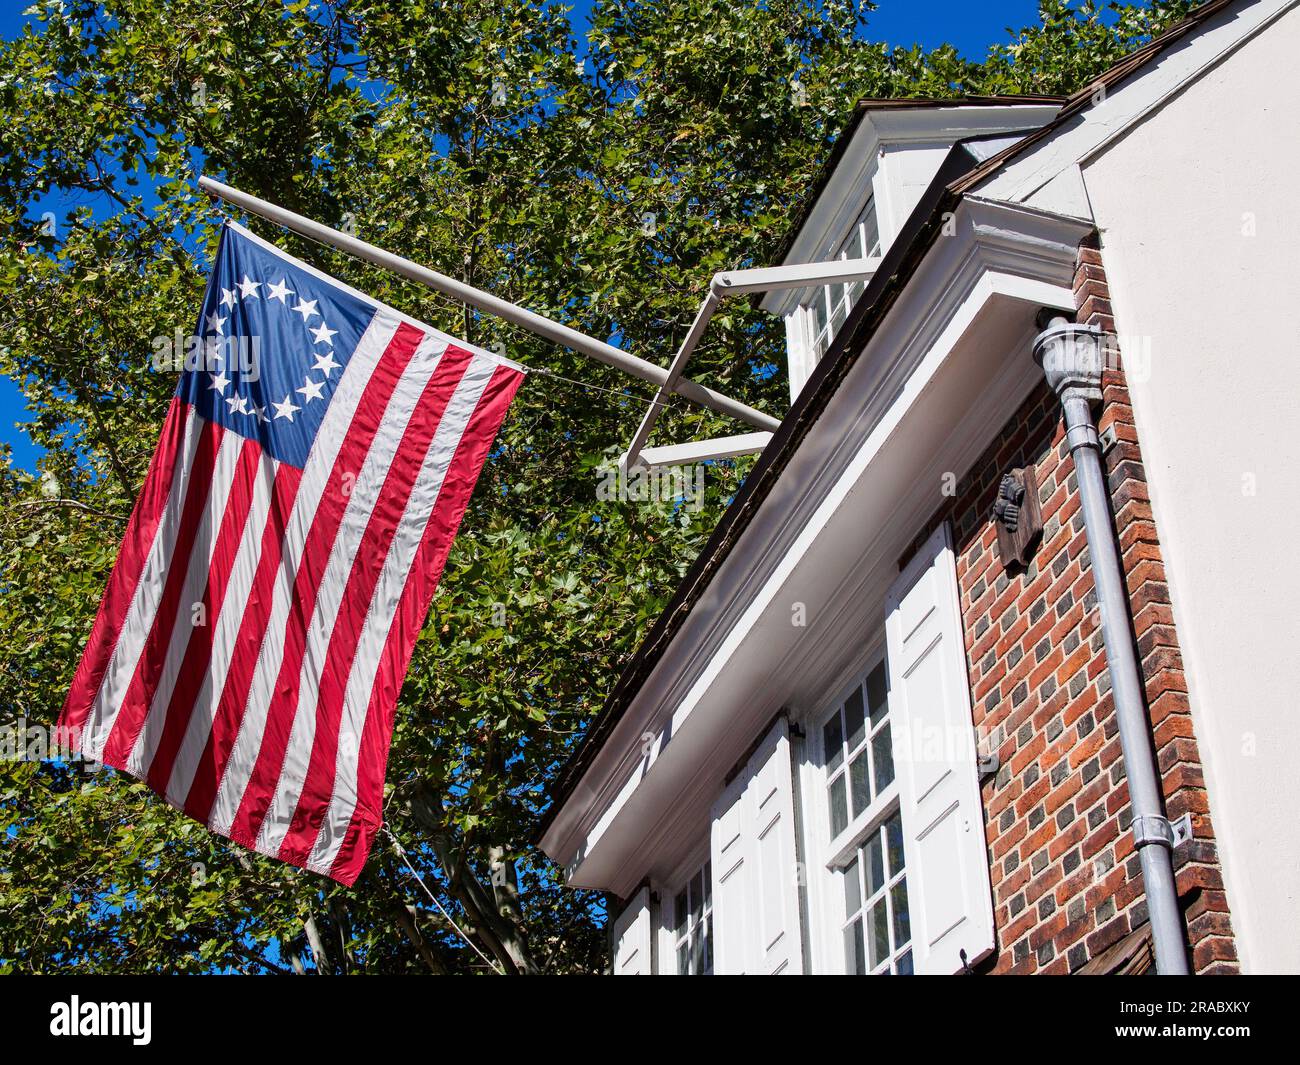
{"x": 836, "y": 299}
{"x": 870, "y": 186}
{"x": 666, "y": 931}
{"x": 826, "y": 857}
{"x": 893, "y": 878}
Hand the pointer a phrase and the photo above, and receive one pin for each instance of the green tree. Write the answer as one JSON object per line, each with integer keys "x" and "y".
{"x": 600, "y": 182}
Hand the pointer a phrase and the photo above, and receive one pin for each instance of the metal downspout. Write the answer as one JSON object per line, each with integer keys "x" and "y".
{"x": 1072, "y": 358}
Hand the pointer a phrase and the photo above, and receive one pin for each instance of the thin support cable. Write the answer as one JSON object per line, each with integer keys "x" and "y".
{"x": 401, "y": 853}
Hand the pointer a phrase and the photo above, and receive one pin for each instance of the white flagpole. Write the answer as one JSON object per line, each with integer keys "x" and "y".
{"x": 490, "y": 304}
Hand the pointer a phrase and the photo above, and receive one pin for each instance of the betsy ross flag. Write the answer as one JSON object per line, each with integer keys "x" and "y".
{"x": 314, "y": 466}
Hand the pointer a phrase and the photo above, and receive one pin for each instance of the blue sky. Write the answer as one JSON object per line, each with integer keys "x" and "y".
{"x": 972, "y": 28}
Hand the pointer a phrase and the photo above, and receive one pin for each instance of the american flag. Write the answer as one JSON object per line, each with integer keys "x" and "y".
{"x": 314, "y": 466}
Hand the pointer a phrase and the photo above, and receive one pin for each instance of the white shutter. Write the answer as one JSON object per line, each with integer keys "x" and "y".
{"x": 755, "y": 866}
{"x": 943, "y": 822}
{"x": 632, "y": 937}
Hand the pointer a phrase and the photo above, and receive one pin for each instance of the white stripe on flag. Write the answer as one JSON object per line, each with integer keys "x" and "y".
{"x": 315, "y": 478}
{"x": 196, "y": 580}
{"x": 334, "y": 581}
{"x": 144, "y": 603}
{"x": 225, "y": 630}
{"x": 388, "y": 590}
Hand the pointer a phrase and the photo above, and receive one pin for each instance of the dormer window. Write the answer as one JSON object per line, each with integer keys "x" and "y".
{"x": 827, "y": 306}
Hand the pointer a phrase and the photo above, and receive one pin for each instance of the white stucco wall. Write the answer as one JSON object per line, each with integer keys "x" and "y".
{"x": 1199, "y": 210}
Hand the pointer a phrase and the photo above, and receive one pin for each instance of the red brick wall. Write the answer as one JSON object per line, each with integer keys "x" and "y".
{"x": 1066, "y": 879}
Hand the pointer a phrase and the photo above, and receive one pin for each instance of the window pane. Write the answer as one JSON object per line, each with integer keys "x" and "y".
{"x": 861, "y": 785}
{"x": 839, "y": 807}
{"x": 833, "y": 742}
{"x": 851, "y": 248}
{"x": 839, "y": 310}
{"x": 902, "y": 919}
{"x": 905, "y": 964}
{"x": 691, "y": 909}
{"x": 819, "y": 309}
{"x": 874, "y": 856}
{"x": 882, "y": 755}
{"x": 854, "y": 724}
{"x": 871, "y": 228}
{"x": 894, "y": 830}
{"x": 852, "y": 889}
{"x": 854, "y": 955}
{"x": 877, "y": 694}
{"x": 878, "y": 933}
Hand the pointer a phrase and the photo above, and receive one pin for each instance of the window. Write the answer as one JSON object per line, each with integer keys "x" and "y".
{"x": 877, "y": 929}
{"x": 859, "y": 751}
{"x": 693, "y": 925}
{"x": 828, "y": 306}
{"x": 866, "y": 829}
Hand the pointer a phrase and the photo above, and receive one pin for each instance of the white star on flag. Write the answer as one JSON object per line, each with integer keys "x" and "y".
{"x": 285, "y": 408}
{"x": 278, "y": 292}
{"x": 326, "y": 364}
{"x": 311, "y": 389}
{"x": 322, "y": 333}
{"x": 227, "y": 297}
{"x": 216, "y": 322}
{"x": 248, "y": 287}
{"x": 220, "y": 382}
{"x": 306, "y": 308}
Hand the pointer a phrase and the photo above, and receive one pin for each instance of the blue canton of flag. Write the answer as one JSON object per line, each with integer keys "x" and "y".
{"x": 275, "y": 342}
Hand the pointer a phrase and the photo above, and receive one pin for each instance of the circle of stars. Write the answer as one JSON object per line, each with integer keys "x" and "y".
{"x": 325, "y": 363}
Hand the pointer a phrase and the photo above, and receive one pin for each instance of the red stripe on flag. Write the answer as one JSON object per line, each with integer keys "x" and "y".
{"x": 320, "y": 541}
{"x": 139, "y": 693}
{"x": 355, "y": 608}
{"x": 120, "y": 591}
{"x": 243, "y": 655}
{"x": 360, "y": 835}
{"x": 198, "y": 651}
{"x": 422, "y": 582}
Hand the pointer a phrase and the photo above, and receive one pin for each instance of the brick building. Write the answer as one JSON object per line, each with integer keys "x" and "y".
{"x": 986, "y": 668}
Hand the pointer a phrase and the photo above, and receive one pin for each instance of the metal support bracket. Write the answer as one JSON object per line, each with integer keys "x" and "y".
{"x": 1161, "y": 831}
{"x": 736, "y": 283}
{"x": 720, "y": 447}
{"x": 669, "y": 382}
{"x": 988, "y": 764}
